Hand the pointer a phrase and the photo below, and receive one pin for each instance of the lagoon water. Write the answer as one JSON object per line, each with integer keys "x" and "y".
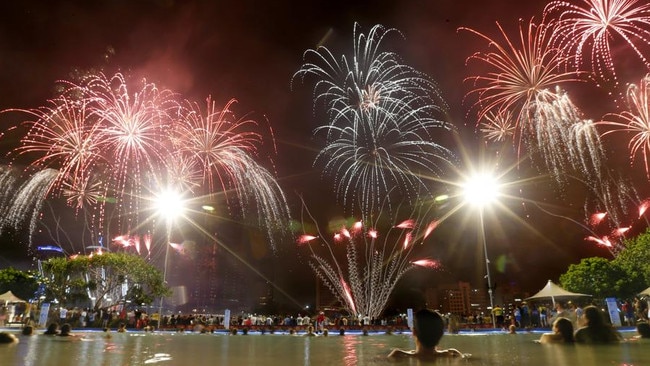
{"x": 168, "y": 348}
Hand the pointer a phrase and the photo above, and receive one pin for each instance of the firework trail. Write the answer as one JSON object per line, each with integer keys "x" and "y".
{"x": 375, "y": 263}
{"x": 566, "y": 141}
{"x": 614, "y": 196}
{"x": 636, "y": 121}
{"x": 613, "y": 229}
{"x": 8, "y": 182}
{"x": 28, "y": 200}
{"x": 223, "y": 147}
{"x": 588, "y": 27}
{"x": 382, "y": 119}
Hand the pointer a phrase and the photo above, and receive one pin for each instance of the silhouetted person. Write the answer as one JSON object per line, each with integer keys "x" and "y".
{"x": 52, "y": 329}
{"x": 643, "y": 329}
{"x": 595, "y": 329}
{"x": 8, "y": 338}
{"x": 562, "y": 332}
{"x": 428, "y": 328}
{"x": 65, "y": 330}
{"x": 28, "y": 330}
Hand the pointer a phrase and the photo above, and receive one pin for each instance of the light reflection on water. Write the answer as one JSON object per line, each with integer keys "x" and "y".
{"x": 282, "y": 349}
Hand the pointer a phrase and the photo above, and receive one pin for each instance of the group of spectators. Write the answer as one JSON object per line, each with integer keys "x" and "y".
{"x": 141, "y": 319}
{"x": 524, "y": 315}
{"x": 520, "y": 315}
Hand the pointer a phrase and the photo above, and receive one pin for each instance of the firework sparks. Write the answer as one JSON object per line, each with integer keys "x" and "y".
{"x": 604, "y": 241}
{"x": 636, "y": 120}
{"x": 643, "y": 207}
{"x": 428, "y": 263}
{"x": 519, "y": 72}
{"x": 597, "y": 218}
{"x": 370, "y": 79}
{"x": 65, "y": 141}
{"x": 382, "y": 119}
{"x": 108, "y": 144}
{"x": 303, "y": 239}
{"x": 567, "y": 142}
{"x": 498, "y": 127}
{"x": 616, "y": 232}
{"x": 373, "y": 266}
{"x": 587, "y": 28}
{"x": 223, "y": 146}
{"x": 8, "y": 182}
{"x": 29, "y": 198}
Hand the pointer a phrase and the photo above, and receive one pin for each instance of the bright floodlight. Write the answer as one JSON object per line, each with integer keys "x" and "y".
{"x": 169, "y": 204}
{"x": 481, "y": 189}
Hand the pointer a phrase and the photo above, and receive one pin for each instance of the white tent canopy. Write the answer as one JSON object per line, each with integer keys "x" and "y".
{"x": 645, "y": 292}
{"x": 9, "y": 297}
{"x": 553, "y": 291}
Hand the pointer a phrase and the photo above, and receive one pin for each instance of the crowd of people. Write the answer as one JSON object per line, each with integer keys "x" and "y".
{"x": 521, "y": 316}
{"x": 140, "y": 319}
{"x": 526, "y": 316}
{"x": 590, "y": 326}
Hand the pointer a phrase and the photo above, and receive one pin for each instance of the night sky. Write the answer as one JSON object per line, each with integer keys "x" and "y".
{"x": 249, "y": 50}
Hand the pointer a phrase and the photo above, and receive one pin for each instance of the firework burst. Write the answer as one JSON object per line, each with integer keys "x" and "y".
{"x": 64, "y": 139}
{"x": 375, "y": 262}
{"x": 381, "y": 158}
{"x": 383, "y": 116}
{"x": 369, "y": 79}
{"x": 215, "y": 140}
{"x": 224, "y": 147}
{"x": 131, "y": 135}
{"x": 519, "y": 72}
{"x": 108, "y": 144}
{"x": 498, "y": 127}
{"x": 588, "y": 27}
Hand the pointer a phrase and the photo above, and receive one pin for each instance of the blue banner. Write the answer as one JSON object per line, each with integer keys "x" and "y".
{"x": 42, "y": 318}
{"x": 612, "y": 309}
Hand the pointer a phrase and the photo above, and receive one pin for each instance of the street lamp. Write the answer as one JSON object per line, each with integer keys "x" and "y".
{"x": 479, "y": 191}
{"x": 169, "y": 204}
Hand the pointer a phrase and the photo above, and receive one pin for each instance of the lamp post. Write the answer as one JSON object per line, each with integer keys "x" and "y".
{"x": 479, "y": 191}
{"x": 169, "y": 205}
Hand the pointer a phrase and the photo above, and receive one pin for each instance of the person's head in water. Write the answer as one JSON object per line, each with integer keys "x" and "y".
{"x": 643, "y": 329}
{"x": 428, "y": 327}
{"x": 52, "y": 329}
{"x": 28, "y": 330}
{"x": 65, "y": 329}
{"x": 564, "y": 327}
{"x": 6, "y": 337}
